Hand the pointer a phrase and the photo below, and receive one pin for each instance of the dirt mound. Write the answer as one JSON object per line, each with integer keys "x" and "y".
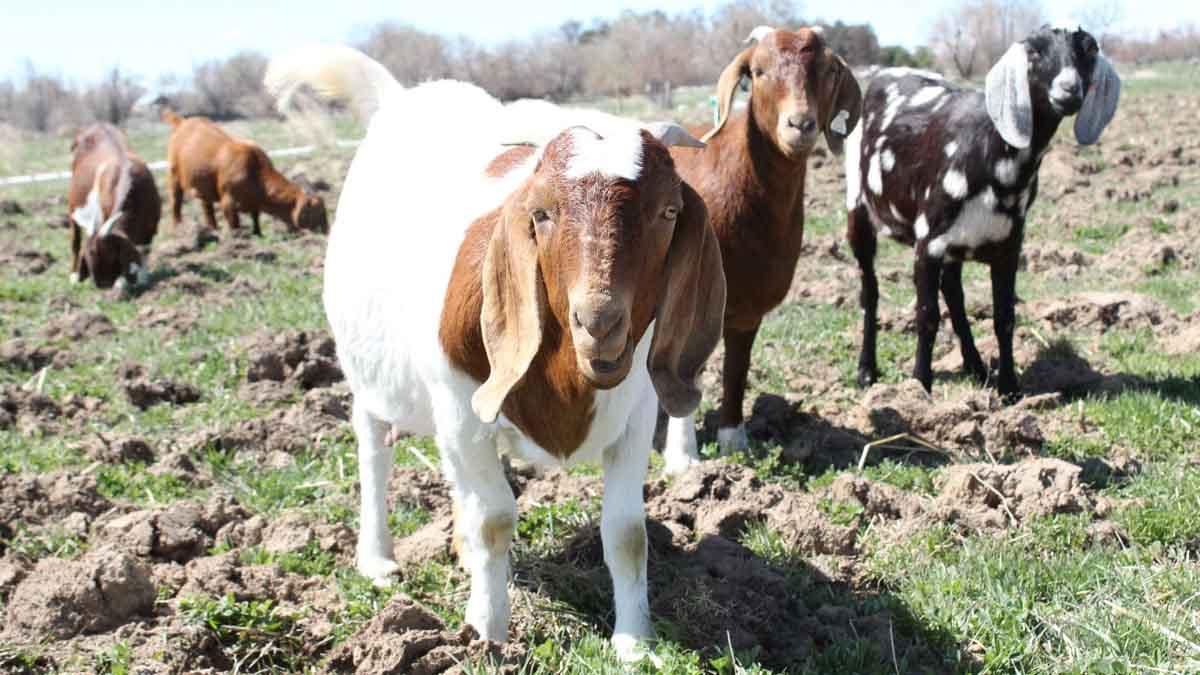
{"x": 1101, "y": 311}
{"x": 33, "y": 500}
{"x": 32, "y": 412}
{"x": 179, "y": 532}
{"x": 77, "y": 325}
{"x": 118, "y": 450}
{"x": 18, "y": 354}
{"x": 994, "y": 496}
{"x": 63, "y": 598}
{"x": 291, "y": 430}
{"x": 407, "y": 638}
{"x": 307, "y": 360}
{"x": 25, "y": 260}
{"x": 1184, "y": 341}
{"x": 144, "y": 393}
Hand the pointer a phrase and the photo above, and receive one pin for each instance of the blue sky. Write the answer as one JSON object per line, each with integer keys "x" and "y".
{"x": 81, "y": 39}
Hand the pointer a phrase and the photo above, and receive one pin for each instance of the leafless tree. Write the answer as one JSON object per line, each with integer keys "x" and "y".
{"x": 1099, "y": 17}
{"x": 112, "y": 99}
{"x": 412, "y": 55}
{"x": 231, "y": 88}
{"x": 975, "y": 34}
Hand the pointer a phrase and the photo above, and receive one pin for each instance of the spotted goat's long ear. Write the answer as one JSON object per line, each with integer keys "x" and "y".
{"x": 1008, "y": 100}
{"x": 1100, "y": 103}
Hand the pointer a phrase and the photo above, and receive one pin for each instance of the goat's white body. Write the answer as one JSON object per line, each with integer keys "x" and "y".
{"x": 416, "y": 184}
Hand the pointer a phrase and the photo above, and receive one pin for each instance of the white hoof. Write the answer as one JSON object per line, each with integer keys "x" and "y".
{"x": 733, "y": 439}
{"x": 379, "y": 570}
{"x": 75, "y": 277}
{"x": 632, "y": 649}
{"x": 679, "y": 451}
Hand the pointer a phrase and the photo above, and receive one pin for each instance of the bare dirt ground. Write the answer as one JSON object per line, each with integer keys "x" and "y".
{"x": 173, "y": 503}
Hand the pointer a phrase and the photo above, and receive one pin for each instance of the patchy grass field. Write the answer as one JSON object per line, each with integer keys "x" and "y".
{"x": 177, "y": 476}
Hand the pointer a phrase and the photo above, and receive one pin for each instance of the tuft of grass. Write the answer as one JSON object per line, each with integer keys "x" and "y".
{"x": 256, "y": 634}
{"x": 309, "y": 561}
{"x": 46, "y": 542}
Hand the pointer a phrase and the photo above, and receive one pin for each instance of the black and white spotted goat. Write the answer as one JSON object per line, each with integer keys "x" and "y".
{"x": 953, "y": 172}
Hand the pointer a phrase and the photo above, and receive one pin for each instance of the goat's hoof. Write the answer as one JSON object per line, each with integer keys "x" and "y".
{"x": 866, "y": 378}
{"x": 379, "y": 570}
{"x": 632, "y": 649}
{"x": 75, "y": 277}
{"x": 733, "y": 439}
{"x": 676, "y": 463}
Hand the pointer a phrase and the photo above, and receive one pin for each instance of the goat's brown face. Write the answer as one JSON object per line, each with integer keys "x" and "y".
{"x": 601, "y": 240}
{"x": 310, "y": 214}
{"x": 111, "y": 258}
{"x": 799, "y": 90}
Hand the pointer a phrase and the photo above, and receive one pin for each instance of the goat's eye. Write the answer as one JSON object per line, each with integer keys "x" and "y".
{"x": 758, "y": 72}
{"x": 671, "y": 212}
{"x": 540, "y": 218}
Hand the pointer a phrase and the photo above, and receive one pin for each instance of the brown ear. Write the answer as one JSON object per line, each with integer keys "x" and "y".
{"x": 727, "y": 88}
{"x": 691, "y": 309}
{"x": 511, "y": 318}
{"x": 841, "y": 101}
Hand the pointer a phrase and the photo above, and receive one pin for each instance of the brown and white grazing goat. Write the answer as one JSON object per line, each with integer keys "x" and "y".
{"x": 953, "y": 172}
{"x": 114, "y": 208}
{"x": 217, "y": 168}
{"x": 538, "y": 300}
{"x": 751, "y": 176}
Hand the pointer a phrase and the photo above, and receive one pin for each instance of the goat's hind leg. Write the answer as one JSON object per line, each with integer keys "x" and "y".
{"x": 861, "y": 236}
{"x": 375, "y": 558}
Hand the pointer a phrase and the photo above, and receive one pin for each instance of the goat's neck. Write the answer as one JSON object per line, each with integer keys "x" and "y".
{"x": 281, "y": 195}
{"x": 766, "y": 178}
{"x": 1045, "y": 125}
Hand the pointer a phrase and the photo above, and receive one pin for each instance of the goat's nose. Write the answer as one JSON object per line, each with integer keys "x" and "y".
{"x": 599, "y": 322}
{"x": 805, "y": 124}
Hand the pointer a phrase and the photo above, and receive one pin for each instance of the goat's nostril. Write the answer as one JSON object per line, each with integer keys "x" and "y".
{"x": 803, "y": 123}
{"x": 598, "y": 324}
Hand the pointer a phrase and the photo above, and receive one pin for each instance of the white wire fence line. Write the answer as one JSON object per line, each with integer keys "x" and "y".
{"x": 160, "y": 165}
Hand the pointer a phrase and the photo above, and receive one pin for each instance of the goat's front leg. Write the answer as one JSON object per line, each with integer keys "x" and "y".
{"x": 485, "y": 519}
{"x": 927, "y": 273}
{"x": 375, "y": 558}
{"x": 1004, "y": 297}
{"x": 210, "y": 215}
{"x": 229, "y": 209}
{"x": 952, "y": 291}
{"x": 739, "y": 342}
{"x": 76, "y": 252}
{"x": 623, "y": 531}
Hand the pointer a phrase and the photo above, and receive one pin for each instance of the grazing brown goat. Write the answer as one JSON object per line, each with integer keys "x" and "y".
{"x": 113, "y": 205}
{"x": 751, "y": 175}
{"x": 217, "y": 168}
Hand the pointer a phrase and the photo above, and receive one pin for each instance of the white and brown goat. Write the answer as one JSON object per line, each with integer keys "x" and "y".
{"x": 537, "y": 300}
{"x": 953, "y": 172}
{"x": 113, "y": 208}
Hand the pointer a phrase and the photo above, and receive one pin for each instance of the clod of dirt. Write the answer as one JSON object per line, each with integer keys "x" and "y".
{"x": 308, "y": 360}
{"x": 77, "y": 326}
{"x": 144, "y": 393}
{"x": 119, "y": 451}
{"x": 1102, "y": 311}
{"x": 430, "y": 542}
{"x": 407, "y": 638}
{"x": 63, "y": 598}
{"x": 11, "y": 574}
{"x": 876, "y": 499}
{"x": 11, "y": 207}
{"x": 170, "y": 534}
{"x": 224, "y": 574}
{"x": 48, "y": 497}
{"x": 993, "y": 496}
{"x": 25, "y": 261}
{"x": 1186, "y": 341}
{"x": 17, "y": 354}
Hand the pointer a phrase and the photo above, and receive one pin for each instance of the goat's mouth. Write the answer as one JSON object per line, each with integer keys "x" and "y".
{"x": 794, "y": 143}
{"x": 1066, "y": 105}
{"x": 602, "y": 371}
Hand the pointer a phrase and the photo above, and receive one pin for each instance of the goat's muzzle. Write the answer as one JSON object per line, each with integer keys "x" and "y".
{"x": 797, "y": 133}
{"x": 600, "y": 332}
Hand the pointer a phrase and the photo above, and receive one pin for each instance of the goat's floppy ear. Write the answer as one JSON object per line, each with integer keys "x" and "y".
{"x": 691, "y": 309}
{"x": 511, "y": 318}
{"x": 1100, "y": 103}
{"x": 727, "y": 88}
{"x": 841, "y": 101}
{"x": 1009, "y": 102}
{"x": 671, "y": 134}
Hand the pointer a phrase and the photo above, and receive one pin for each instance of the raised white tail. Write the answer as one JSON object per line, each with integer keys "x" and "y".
{"x": 335, "y": 72}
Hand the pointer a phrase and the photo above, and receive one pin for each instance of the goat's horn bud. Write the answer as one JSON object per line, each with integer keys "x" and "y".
{"x": 759, "y": 33}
